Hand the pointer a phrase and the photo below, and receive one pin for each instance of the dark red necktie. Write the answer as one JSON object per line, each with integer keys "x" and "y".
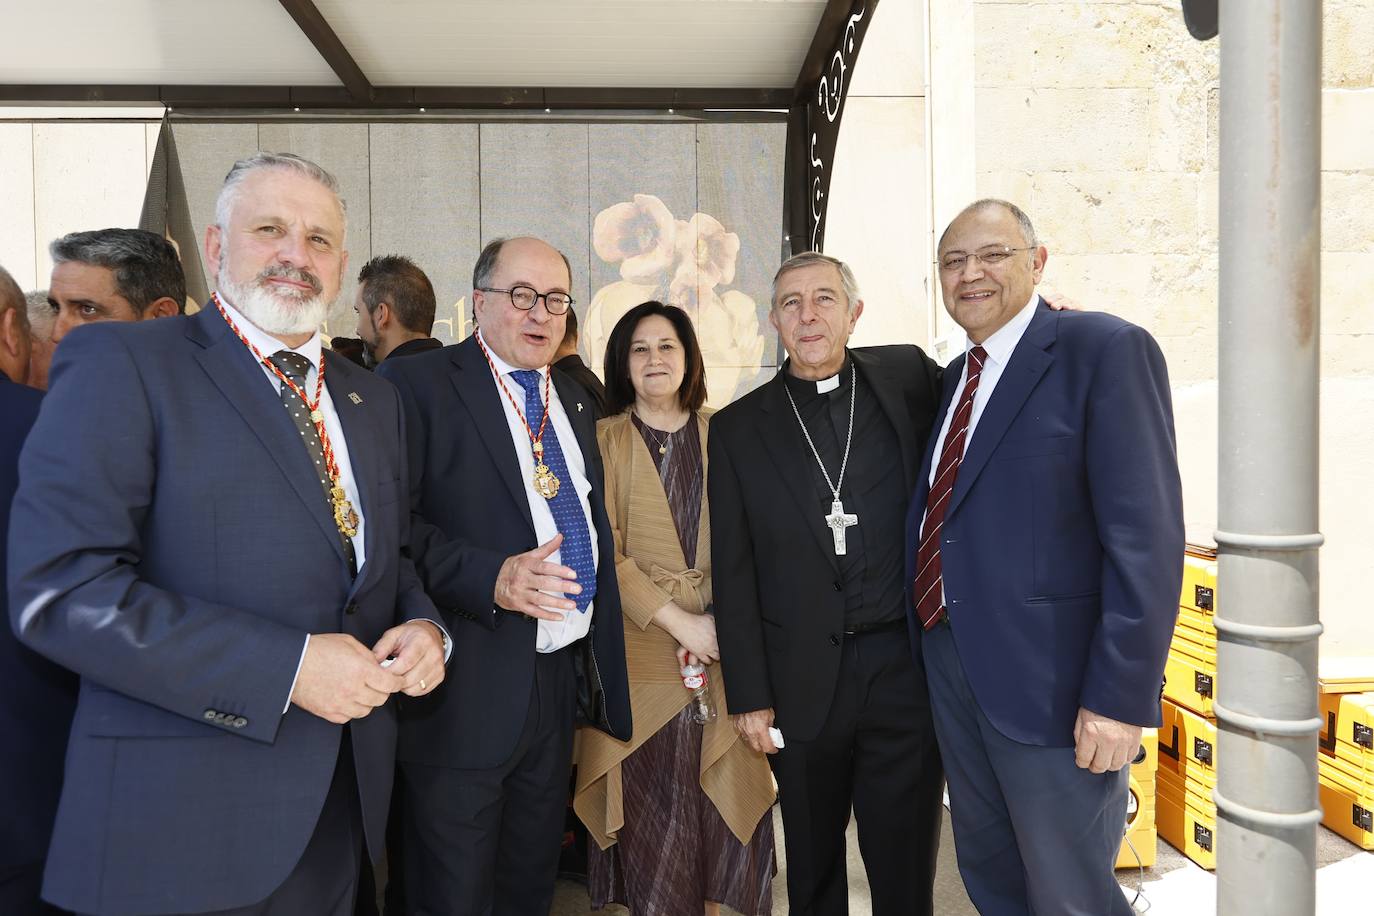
{"x": 928, "y": 593}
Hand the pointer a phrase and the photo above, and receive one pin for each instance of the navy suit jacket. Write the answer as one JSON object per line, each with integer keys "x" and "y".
{"x": 470, "y": 514}
{"x": 1062, "y": 550}
{"x": 36, "y": 696}
{"x": 175, "y": 551}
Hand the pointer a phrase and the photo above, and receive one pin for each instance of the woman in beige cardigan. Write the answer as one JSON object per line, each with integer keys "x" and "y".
{"x": 680, "y": 813}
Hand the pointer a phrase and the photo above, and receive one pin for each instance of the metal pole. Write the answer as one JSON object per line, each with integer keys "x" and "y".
{"x": 1267, "y": 620}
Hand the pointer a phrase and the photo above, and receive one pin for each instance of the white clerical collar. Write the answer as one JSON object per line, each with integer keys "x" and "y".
{"x": 1003, "y": 341}
{"x": 503, "y": 367}
{"x": 266, "y": 343}
{"x": 826, "y": 385}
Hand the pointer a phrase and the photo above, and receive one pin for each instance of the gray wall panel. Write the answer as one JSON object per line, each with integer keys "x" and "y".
{"x": 206, "y": 153}
{"x": 426, "y": 205}
{"x": 534, "y": 182}
{"x": 343, "y": 150}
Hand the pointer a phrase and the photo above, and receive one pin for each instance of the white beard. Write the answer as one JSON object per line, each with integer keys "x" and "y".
{"x": 269, "y": 311}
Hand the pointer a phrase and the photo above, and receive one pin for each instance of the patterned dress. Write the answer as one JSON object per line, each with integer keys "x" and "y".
{"x": 675, "y": 851}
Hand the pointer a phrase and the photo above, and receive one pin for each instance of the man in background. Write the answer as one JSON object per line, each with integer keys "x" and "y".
{"x": 113, "y": 275}
{"x": 36, "y": 696}
{"x": 395, "y": 307}
{"x": 566, "y": 359}
{"x": 41, "y": 320}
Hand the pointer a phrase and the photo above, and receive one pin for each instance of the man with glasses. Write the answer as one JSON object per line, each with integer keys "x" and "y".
{"x": 1044, "y": 549}
{"x": 511, "y": 538}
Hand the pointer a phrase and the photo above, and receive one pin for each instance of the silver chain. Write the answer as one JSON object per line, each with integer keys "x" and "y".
{"x": 848, "y": 439}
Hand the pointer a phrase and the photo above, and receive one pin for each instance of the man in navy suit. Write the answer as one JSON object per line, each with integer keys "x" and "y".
{"x": 212, "y": 541}
{"x": 1044, "y": 554}
{"x": 38, "y": 696}
{"x": 511, "y": 538}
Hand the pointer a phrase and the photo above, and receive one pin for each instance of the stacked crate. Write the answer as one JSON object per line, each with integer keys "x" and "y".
{"x": 1138, "y": 848}
{"x": 1345, "y": 766}
{"x": 1185, "y": 814}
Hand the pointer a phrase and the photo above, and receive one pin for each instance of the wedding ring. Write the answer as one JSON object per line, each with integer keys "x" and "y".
{"x": 422, "y": 684}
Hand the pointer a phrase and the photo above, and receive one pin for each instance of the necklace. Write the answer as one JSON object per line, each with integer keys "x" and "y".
{"x": 653, "y": 434}
{"x": 345, "y": 518}
{"x": 838, "y": 520}
{"x": 546, "y": 482}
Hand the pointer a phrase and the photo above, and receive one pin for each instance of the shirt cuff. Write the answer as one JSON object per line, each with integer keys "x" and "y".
{"x": 448, "y": 640}
{"x": 297, "y": 675}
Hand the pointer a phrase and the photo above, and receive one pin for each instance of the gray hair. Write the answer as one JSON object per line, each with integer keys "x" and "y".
{"x": 12, "y": 297}
{"x": 491, "y": 254}
{"x": 1022, "y": 220}
{"x": 41, "y": 317}
{"x": 228, "y": 193}
{"x": 807, "y": 259}
{"x": 145, "y": 265}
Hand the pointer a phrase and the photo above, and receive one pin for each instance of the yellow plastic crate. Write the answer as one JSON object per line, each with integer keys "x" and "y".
{"x": 1189, "y": 745}
{"x": 1185, "y": 820}
{"x": 1190, "y": 681}
{"x": 1348, "y": 728}
{"x": 1347, "y": 807}
{"x": 1199, "y": 581}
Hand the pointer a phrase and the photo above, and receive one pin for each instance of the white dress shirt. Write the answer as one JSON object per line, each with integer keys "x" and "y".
{"x": 552, "y": 635}
{"x": 999, "y": 348}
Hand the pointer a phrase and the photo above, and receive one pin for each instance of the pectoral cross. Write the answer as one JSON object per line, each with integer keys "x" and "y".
{"x": 838, "y": 520}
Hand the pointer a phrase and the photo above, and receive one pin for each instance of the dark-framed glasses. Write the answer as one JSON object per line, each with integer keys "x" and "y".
{"x": 524, "y": 298}
{"x": 990, "y": 256}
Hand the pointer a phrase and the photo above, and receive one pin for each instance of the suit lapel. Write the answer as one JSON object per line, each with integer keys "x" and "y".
{"x": 240, "y": 379}
{"x": 361, "y": 434}
{"x": 577, "y": 408}
{"x": 783, "y": 441}
{"x": 476, "y": 388}
{"x": 891, "y": 398}
{"x": 1028, "y": 364}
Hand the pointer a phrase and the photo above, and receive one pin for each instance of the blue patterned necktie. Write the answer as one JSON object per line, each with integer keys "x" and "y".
{"x": 576, "y": 550}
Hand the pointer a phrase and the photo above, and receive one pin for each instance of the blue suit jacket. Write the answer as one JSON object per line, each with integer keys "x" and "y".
{"x": 175, "y": 551}
{"x": 36, "y": 696}
{"x": 470, "y": 513}
{"x": 1062, "y": 550}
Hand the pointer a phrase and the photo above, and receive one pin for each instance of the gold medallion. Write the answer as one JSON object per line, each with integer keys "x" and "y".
{"x": 344, "y": 516}
{"x": 546, "y": 483}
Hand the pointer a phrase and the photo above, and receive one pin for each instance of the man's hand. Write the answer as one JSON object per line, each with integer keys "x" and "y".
{"x": 531, "y": 586}
{"x": 1101, "y": 744}
{"x": 418, "y": 649}
{"x": 340, "y": 680}
{"x": 1060, "y": 302}
{"x": 694, "y": 632}
{"x": 753, "y": 728}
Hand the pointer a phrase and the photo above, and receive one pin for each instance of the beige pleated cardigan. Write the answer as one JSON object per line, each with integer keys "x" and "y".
{"x": 651, "y": 572}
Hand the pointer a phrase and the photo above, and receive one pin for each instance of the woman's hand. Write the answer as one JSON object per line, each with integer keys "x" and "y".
{"x": 694, "y": 632}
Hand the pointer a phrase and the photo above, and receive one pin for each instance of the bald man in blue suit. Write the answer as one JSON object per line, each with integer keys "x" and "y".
{"x": 1045, "y": 552}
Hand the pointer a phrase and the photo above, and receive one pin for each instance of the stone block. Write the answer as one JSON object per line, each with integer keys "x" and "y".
{"x": 1347, "y": 131}
{"x": 1113, "y": 212}
{"x": 1183, "y": 294}
{"x": 1179, "y": 137}
{"x": 1208, "y": 210}
{"x": 1003, "y": 57}
{"x": 1348, "y": 211}
{"x": 1347, "y": 40}
{"x": 1017, "y": 187}
{"x": 1096, "y": 46}
{"x": 892, "y": 62}
{"x": 1062, "y": 129}
{"x": 1348, "y": 356}
{"x": 1347, "y": 282}
{"x": 1191, "y": 358}
{"x": 1116, "y": 283}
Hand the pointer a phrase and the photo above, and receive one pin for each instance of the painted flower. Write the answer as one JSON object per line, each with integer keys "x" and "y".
{"x": 638, "y": 235}
{"x": 706, "y": 253}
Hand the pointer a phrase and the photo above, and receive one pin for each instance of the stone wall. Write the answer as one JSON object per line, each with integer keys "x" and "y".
{"x": 1100, "y": 118}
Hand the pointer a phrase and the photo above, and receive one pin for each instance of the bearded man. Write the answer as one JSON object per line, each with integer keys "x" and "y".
{"x": 213, "y": 509}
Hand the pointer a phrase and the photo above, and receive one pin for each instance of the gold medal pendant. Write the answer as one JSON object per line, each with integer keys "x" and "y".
{"x": 344, "y": 516}
{"x": 546, "y": 484}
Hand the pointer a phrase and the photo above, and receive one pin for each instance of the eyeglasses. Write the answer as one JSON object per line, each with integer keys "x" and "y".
{"x": 524, "y": 298}
{"x": 990, "y": 256}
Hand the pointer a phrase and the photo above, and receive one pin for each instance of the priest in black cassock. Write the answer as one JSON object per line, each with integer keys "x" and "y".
{"x": 810, "y": 476}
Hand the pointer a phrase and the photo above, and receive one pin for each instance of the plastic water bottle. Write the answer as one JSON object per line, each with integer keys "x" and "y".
{"x": 694, "y": 679}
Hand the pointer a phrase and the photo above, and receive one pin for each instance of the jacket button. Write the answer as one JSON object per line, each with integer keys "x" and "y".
{"x": 209, "y": 713}
{"x": 834, "y": 639}
{"x": 240, "y": 722}
{"x": 352, "y": 608}
{"x": 837, "y": 585}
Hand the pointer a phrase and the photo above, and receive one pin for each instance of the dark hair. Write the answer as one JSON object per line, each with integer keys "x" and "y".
{"x": 397, "y": 281}
{"x": 570, "y": 328}
{"x": 145, "y": 265}
{"x": 620, "y": 393}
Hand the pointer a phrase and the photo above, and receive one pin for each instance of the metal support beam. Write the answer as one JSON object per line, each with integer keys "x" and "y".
{"x": 321, "y": 35}
{"x": 1267, "y": 623}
